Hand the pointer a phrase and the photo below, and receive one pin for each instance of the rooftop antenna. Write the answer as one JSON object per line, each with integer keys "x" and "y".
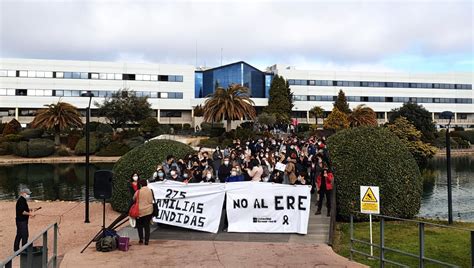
{"x": 221, "y": 55}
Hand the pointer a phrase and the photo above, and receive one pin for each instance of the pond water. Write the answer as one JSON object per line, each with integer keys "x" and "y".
{"x": 48, "y": 181}
{"x": 434, "y": 203}
{"x": 66, "y": 182}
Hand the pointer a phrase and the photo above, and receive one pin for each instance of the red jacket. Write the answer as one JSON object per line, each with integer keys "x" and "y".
{"x": 329, "y": 181}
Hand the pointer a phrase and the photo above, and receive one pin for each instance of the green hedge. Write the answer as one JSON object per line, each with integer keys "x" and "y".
{"x": 40, "y": 147}
{"x": 31, "y": 133}
{"x": 142, "y": 159}
{"x": 6, "y": 147}
{"x": 374, "y": 156}
{"x": 11, "y": 138}
{"x": 81, "y": 146}
{"x": 34, "y": 148}
{"x": 113, "y": 149}
{"x": 134, "y": 142}
{"x": 465, "y": 135}
{"x": 104, "y": 128}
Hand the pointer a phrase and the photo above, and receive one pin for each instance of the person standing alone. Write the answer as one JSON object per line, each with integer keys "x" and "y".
{"x": 23, "y": 212}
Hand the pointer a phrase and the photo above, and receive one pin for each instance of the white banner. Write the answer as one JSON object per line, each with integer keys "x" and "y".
{"x": 194, "y": 206}
{"x": 267, "y": 207}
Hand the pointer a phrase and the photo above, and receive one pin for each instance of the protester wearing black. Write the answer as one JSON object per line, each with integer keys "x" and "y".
{"x": 224, "y": 170}
{"x": 23, "y": 212}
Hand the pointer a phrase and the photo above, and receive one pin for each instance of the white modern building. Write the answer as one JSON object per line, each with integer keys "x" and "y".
{"x": 173, "y": 90}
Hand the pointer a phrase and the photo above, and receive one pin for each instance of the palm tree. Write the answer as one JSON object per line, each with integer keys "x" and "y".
{"x": 362, "y": 116}
{"x": 229, "y": 104}
{"x": 57, "y": 116}
{"x": 317, "y": 112}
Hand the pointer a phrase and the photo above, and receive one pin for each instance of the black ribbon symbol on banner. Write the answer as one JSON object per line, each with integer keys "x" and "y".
{"x": 285, "y": 220}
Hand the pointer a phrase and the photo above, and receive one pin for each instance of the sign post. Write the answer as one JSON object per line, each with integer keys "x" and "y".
{"x": 370, "y": 204}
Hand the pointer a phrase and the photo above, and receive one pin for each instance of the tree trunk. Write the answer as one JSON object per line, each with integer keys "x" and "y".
{"x": 57, "y": 139}
{"x": 229, "y": 125}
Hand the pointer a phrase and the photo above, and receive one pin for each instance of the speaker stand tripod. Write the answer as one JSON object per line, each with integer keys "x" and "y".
{"x": 100, "y": 234}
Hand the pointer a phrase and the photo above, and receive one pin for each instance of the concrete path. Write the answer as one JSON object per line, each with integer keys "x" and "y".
{"x": 174, "y": 253}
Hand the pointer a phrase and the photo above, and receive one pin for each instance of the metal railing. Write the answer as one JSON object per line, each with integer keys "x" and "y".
{"x": 332, "y": 221}
{"x": 422, "y": 259}
{"x": 28, "y": 247}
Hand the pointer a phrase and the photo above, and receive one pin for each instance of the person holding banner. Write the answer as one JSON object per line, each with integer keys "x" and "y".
{"x": 144, "y": 197}
{"x": 255, "y": 171}
{"x": 324, "y": 181}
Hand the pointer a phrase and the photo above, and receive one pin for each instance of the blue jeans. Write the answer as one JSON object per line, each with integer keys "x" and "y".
{"x": 21, "y": 234}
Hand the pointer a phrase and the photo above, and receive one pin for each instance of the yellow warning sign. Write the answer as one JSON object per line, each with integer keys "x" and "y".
{"x": 369, "y": 199}
{"x": 369, "y": 196}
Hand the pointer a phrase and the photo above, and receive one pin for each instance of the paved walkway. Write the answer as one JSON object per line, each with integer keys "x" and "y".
{"x": 173, "y": 246}
{"x": 176, "y": 253}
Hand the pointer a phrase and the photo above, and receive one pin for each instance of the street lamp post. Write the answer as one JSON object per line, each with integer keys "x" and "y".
{"x": 448, "y": 115}
{"x": 88, "y": 114}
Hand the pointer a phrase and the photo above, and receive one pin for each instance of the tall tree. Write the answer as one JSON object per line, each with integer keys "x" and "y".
{"x": 317, "y": 112}
{"x": 280, "y": 101}
{"x": 363, "y": 115}
{"x": 419, "y": 117}
{"x": 411, "y": 137}
{"x": 229, "y": 104}
{"x": 57, "y": 117}
{"x": 336, "y": 120}
{"x": 266, "y": 119}
{"x": 341, "y": 103}
{"x": 124, "y": 107}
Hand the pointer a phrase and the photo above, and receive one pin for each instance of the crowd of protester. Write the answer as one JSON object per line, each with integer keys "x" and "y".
{"x": 285, "y": 161}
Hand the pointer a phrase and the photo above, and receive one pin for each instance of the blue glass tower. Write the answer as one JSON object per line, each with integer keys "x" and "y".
{"x": 241, "y": 73}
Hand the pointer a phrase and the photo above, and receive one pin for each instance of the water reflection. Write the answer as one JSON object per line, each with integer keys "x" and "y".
{"x": 47, "y": 181}
{"x": 435, "y": 197}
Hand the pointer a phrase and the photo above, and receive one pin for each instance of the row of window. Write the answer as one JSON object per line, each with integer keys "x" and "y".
{"x": 383, "y": 99}
{"x": 87, "y": 75}
{"x": 299, "y": 82}
{"x": 77, "y": 93}
{"x": 32, "y": 112}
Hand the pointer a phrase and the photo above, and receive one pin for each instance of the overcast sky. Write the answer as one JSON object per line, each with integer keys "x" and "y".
{"x": 423, "y": 36}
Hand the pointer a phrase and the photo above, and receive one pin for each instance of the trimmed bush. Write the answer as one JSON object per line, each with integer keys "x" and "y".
{"x": 2, "y": 126}
{"x": 31, "y": 133}
{"x": 374, "y": 156}
{"x": 129, "y": 133}
{"x": 11, "y": 138}
{"x": 216, "y": 131}
{"x": 12, "y": 127}
{"x": 63, "y": 151}
{"x": 6, "y": 148}
{"x": 72, "y": 140}
{"x": 40, "y": 147}
{"x": 104, "y": 128}
{"x": 134, "y": 142}
{"x": 20, "y": 148}
{"x": 465, "y": 135}
{"x": 81, "y": 146}
{"x": 142, "y": 159}
{"x": 303, "y": 127}
{"x": 149, "y": 124}
{"x": 114, "y": 149}
{"x": 461, "y": 143}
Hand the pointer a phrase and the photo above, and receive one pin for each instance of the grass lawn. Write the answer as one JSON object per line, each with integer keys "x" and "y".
{"x": 443, "y": 244}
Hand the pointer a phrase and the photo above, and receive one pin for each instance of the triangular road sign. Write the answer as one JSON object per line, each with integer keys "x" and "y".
{"x": 369, "y": 196}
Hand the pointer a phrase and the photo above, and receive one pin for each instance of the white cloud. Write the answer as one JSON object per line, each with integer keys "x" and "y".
{"x": 340, "y": 34}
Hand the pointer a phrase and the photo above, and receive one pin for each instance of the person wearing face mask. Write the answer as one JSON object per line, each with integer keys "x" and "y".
{"x": 187, "y": 175}
{"x": 234, "y": 175}
{"x": 224, "y": 170}
{"x": 23, "y": 212}
{"x": 174, "y": 175}
{"x": 159, "y": 174}
{"x": 208, "y": 176}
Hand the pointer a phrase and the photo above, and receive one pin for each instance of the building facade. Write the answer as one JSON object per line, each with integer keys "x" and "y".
{"x": 174, "y": 90}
